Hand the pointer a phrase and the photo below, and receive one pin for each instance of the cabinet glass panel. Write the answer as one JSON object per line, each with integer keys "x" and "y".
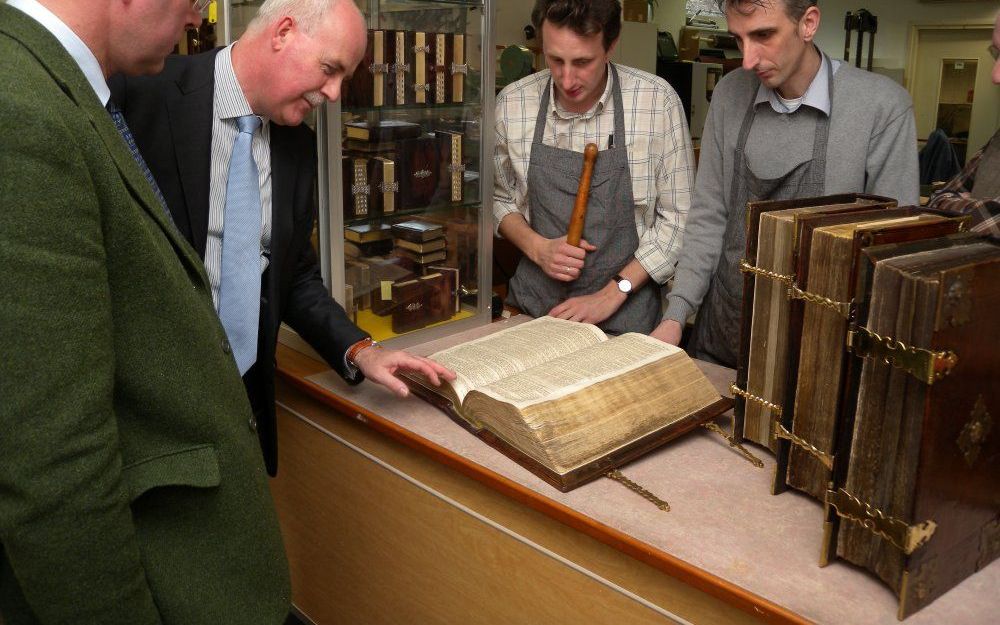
{"x": 407, "y": 226}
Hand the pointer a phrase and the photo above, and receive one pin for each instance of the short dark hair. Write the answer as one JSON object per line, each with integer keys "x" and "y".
{"x": 795, "y": 9}
{"x": 584, "y": 17}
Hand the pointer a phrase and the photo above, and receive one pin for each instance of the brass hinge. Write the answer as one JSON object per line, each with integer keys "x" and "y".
{"x": 907, "y": 538}
{"x": 746, "y": 267}
{"x": 824, "y": 458}
{"x": 841, "y": 308}
{"x": 923, "y": 364}
{"x": 774, "y": 408}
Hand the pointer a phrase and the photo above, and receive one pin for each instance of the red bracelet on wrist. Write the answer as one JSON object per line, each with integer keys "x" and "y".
{"x": 357, "y": 348}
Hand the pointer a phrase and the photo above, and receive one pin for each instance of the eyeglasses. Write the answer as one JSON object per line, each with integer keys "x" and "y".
{"x": 200, "y": 5}
{"x": 994, "y": 52}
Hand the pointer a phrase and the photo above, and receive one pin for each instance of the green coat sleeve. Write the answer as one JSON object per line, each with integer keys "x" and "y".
{"x": 65, "y": 523}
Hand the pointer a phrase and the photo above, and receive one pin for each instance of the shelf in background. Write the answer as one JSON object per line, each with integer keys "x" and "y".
{"x": 415, "y": 212}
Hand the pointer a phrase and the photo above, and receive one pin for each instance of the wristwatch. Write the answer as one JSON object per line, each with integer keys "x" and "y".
{"x": 624, "y": 284}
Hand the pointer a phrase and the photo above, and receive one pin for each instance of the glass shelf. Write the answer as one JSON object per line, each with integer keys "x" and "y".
{"x": 397, "y": 6}
{"x": 415, "y": 212}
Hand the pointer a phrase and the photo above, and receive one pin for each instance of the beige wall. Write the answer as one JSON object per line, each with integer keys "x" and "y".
{"x": 891, "y": 42}
{"x": 894, "y": 20}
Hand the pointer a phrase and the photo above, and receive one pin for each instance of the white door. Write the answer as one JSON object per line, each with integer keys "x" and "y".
{"x": 945, "y": 57}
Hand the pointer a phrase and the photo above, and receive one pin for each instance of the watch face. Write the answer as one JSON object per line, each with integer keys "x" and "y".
{"x": 625, "y": 285}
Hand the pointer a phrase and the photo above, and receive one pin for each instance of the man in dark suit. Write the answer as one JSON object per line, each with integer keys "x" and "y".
{"x": 187, "y": 125}
{"x": 132, "y": 490}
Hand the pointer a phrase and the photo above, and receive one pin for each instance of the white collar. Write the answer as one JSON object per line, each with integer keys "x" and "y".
{"x": 75, "y": 46}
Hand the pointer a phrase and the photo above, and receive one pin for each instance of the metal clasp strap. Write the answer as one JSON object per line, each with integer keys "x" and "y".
{"x": 923, "y": 364}
{"x": 906, "y": 538}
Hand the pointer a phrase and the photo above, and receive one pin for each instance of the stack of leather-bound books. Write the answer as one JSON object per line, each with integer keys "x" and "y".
{"x": 409, "y": 68}
{"x": 866, "y": 367}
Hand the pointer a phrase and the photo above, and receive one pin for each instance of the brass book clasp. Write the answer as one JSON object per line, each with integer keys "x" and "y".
{"x": 746, "y": 267}
{"x": 774, "y": 408}
{"x": 907, "y": 538}
{"x": 923, "y": 364}
{"x": 824, "y": 458}
{"x": 841, "y": 308}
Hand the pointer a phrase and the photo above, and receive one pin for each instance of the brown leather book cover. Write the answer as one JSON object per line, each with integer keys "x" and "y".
{"x": 418, "y": 171}
{"x": 822, "y": 355}
{"x": 415, "y": 303}
{"x": 850, "y": 201}
{"x": 385, "y": 187}
{"x": 452, "y": 166}
{"x": 382, "y": 131}
{"x": 385, "y": 271}
{"x": 920, "y": 504}
{"x": 803, "y": 244}
{"x": 450, "y": 295}
{"x": 417, "y": 230}
{"x": 359, "y": 194}
{"x": 367, "y": 86}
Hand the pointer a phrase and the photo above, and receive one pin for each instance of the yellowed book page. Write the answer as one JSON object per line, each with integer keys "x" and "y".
{"x": 574, "y": 371}
{"x": 496, "y": 356}
{"x": 579, "y": 408}
{"x": 767, "y": 370}
{"x": 769, "y": 320}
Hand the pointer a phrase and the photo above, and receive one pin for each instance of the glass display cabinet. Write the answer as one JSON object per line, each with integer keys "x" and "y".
{"x": 404, "y": 234}
{"x": 406, "y": 172}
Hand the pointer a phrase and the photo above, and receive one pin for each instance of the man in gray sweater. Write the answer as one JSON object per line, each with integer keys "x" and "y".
{"x": 791, "y": 123}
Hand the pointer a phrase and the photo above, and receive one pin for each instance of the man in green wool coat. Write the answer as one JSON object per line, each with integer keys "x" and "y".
{"x": 132, "y": 489}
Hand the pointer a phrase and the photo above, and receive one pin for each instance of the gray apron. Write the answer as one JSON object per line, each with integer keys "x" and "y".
{"x": 553, "y": 178}
{"x": 716, "y": 333}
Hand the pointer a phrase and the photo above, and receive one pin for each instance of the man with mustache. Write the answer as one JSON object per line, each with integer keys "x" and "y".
{"x": 222, "y": 134}
{"x": 791, "y": 123}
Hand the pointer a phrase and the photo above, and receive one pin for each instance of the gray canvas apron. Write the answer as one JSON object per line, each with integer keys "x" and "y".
{"x": 553, "y": 178}
{"x": 716, "y": 333}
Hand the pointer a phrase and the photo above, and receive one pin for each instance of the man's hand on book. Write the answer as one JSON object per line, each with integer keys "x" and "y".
{"x": 593, "y": 308}
{"x": 380, "y": 365}
{"x": 669, "y": 331}
{"x": 560, "y": 260}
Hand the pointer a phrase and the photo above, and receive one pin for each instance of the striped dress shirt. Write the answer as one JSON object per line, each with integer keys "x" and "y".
{"x": 656, "y": 137}
{"x": 228, "y": 104}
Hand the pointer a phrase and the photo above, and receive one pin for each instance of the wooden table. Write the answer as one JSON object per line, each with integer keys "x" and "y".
{"x": 394, "y": 514}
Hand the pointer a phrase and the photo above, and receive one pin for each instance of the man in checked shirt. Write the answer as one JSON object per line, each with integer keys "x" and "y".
{"x": 976, "y": 189}
{"x": 641, "y": 185}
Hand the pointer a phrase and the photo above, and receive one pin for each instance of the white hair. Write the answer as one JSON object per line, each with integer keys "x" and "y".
{"x": 307, "y": 13}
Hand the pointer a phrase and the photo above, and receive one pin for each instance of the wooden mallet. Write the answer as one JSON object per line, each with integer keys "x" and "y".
{"x": 579, "y": 216}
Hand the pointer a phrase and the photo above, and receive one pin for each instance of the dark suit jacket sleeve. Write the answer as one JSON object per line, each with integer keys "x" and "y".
{"x": 66, "y": 529}
{"x": 310, "y": 310}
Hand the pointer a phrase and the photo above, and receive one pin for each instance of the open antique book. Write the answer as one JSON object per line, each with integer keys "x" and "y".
{"x": 568, "y": 402}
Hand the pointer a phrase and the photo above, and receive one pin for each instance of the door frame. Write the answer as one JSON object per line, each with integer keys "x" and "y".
{"x": 913, "y": 39}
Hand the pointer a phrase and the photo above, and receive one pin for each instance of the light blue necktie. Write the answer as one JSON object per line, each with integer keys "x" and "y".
{"x": 239, "y": 288}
